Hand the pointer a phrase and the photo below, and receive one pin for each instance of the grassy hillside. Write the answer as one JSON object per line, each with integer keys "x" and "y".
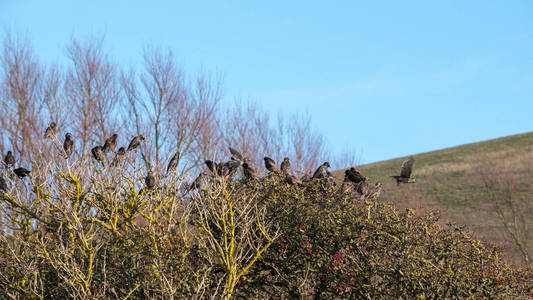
{"x": 466, "y": 183}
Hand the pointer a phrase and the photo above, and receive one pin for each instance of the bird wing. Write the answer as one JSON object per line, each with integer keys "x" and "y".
{"x": 318, "y": 172}
{"x": 407, "y": 167}
{"x": 236, "y": 154}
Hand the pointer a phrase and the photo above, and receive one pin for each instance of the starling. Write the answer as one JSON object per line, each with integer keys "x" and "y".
{"x": 173, "y": 163}
{"x": 3, "y": 185}
{"x": 135, "y": 142}
{"x": 293, "y": 180}
{"x": 353, "y": 175}
{"x": 319, "y": 173}
{"x": 285, "y": 165}
{"x": 98, "y": 154}
{"x": 68, "y": 145}
{"x": 212, "y": 166}
{"x": 9, "y": 159}
{"x": 50, "y": 131}
{"x": 249, "y": 173}
{"x": 228, "y": 168}
{"x": 150, "y": 180}
{"x": 405, "y": 172}
{"x": 196, "y": 184}
{"x": 236, "y": 155}
{"x": 110, "y": 143}
{"x": 21, "y": 172}
{"x": 118, "y": 157}
{"x": 270, "y": 165}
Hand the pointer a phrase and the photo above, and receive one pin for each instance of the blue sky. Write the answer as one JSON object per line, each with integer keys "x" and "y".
{"x": 384, "y": 78}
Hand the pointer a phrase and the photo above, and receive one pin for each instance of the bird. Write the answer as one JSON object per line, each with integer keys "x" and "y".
{"x": 285, "y": 165}
{"x": 249, "y": 172}
{"x": 21, "y": 172}
{"x": 9, "y": 159}
{"x": 68, "y": 145}
{"x": 173, "y": 163}
{"x": 50, "y": 130}
{"x": 405, "y": 172}
{"x": 353, "y": 175}
{"x": 135, "y": 142}
{"x": 270, "y": 165}
{"x": 228, "y": 168}
{"x": 319, "y": 173}
{"x": 196, "y": 184}
{"x": 212, "y": 166}
{"x": 98, "y": 154}
{"x": 293, "y": 180}
{"x": 236, "y": 155}
{"x": 149, "y": 180}
{"x": 118, "y": 156}
{"x": 3, "y": 185}
{"x": 110, "y": 143}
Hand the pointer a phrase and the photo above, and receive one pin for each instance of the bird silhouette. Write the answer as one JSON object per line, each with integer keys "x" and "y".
{"x": 249, "y": 172}
{"x": 321, "y": 172}
{"x": 212, "y": 166}
{"x": 3, "y": 185}
{"x": 98, "y": 154}
{"x": 149, "y": 180}
{"x": 405, "y": 172}
{"x": 235, "y": 155}
{"x": 285, "y": 165}
{"x": 270, "y": 165}
{"x": 135, "y": 142}
{"x": 110, "y": 143}
{"x": 50, "y": 131}
{"x": 9, "y": 159}
{"x": 21, "y": 172}
{"x": 68, "y": 145}
{"x": 173, "y": 163}
{"x": 118, "y": 156}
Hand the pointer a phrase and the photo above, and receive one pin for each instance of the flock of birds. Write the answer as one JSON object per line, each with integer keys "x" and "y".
{"x": 353, "y": 179}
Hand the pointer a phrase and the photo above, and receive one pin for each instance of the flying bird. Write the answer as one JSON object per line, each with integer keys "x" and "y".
{"x": 110, "y": 143}
{"x": 173, "y": 163}
{"x": 149, "y": 180}
{"x": 270, "y": 165}
{"x": 135, "y": 142}
{"x": 249, "y": 173}
{"x": 9, "y": 159}
{"x": 50, "y": 131}
{"x": 98, "y": 154}
{"x": 322, "y": 171}
{"x": 405, "y": 172}
{"x": 236, "y": 155}
{"x": 285, "y": 165}
{"x": 21, "y": 172}
{"x": 68, "y": 145}
{"x": 3, "y": 185}
{"x": 118, "y": 157}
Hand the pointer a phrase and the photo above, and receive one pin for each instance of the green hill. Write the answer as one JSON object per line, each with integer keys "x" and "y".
{"x": 470, "y": 184}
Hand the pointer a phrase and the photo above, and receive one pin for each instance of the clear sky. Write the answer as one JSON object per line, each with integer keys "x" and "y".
{"x": 385, "y": 78}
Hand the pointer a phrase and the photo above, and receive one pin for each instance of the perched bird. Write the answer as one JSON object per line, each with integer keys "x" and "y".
{"x": 321, "y": 172}
{"x": 353, "y": 175}
{"x": 135, "y": 142}
{"x": 270, "y": 165}
{"x": 212, "y": 166}
{"x": 197, "y": 183}
{"x": 173, "y": 163}
{"x": 3, "y": 185}
{"x": 68, "y": 145}
{"x": 405, "y": 172}
{"x": 110, "y": 143}
{"x": 21, "y": 172}
{"x": 118, "y": 157}
{"x": 9, "y": 159}
{"x": 236, "y": 155}
{"x": 293, "y": 180}
{"x": 149, "y": 180}
{"x": 50, "y": 131}
{"x": 285, "y": 165}
{"x": 249, "y": 173}
{"x": 98, "y": 154}
{"x": 228, "y": 168}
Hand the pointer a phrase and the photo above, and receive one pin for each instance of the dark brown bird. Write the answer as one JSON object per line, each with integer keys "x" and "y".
{"x": 353, "y": 175}
{"x": 149, "y": 180}
{"x": 249, "y": 172}
{"x": 270, "y": 165}
{"x": 197, "y": 183}
{"x": 21, "y": 172}
{"x": 110, "y": 143}
{"x": 98, "y": 154}
{"x": 212, "y": 166}
{"x": 3, "y": 185}
{"x": 135, "y": 142}
{"x": 321, "y": 172}
{"x": 68, "y": 145}
{"x": 50, "y": 131}
{"x": 9, "y": 159}
{"x": 228, "y": 168}
{"x": 405, "y": 172}
{"x": 293, "y": 180}
{"x": 173, "y": 163}
{"x": 285, "y": 165}
{"x": 118, "y": 157}
{"x": 236, "y": 155}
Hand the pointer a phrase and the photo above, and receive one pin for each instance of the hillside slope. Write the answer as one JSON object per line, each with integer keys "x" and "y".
{"x": 468, "y": 184}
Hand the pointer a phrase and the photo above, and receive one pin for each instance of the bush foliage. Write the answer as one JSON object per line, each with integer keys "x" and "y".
{"x": 84, "y": 231}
